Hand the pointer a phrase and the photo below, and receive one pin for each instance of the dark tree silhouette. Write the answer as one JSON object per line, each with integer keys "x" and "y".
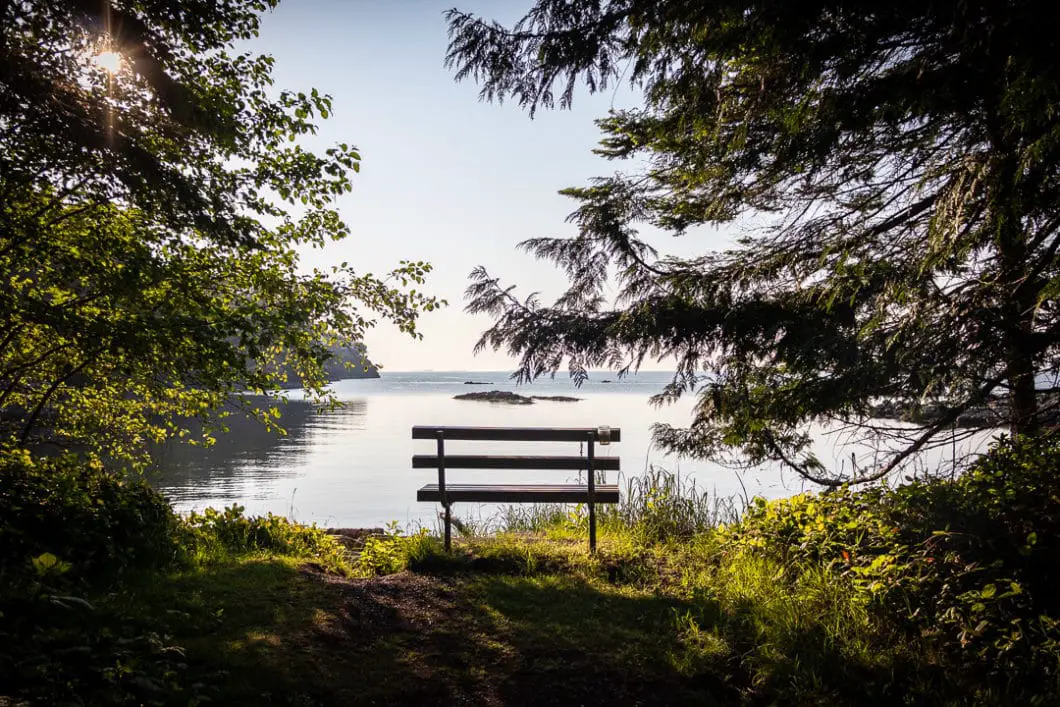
{"x": 901, "y": 160}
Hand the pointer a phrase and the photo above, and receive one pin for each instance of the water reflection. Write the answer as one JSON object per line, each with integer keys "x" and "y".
{"x": 246, "y": 463}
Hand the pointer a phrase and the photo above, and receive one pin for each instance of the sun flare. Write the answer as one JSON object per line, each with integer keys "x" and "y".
{"x": 108, "y": 61}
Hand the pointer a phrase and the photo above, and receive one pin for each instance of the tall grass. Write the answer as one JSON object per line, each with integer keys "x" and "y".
{"x": 657, "y": 506}
{"x": 663, "y": 505}
{"x": 801, "y": 632}
{"x": 538, "y": 517}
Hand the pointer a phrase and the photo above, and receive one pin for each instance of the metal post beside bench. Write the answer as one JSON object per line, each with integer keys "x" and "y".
{"x": 447, "y": 494}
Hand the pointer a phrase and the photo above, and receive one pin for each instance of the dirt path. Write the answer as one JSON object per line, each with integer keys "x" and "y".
{"x": 498, "y": 640}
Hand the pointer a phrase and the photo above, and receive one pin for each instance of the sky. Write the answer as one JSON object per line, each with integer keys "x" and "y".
{"x": 445, "y": 178}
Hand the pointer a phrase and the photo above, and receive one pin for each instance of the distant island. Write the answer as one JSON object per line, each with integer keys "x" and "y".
{"x": 503, "y": 396}
{"x": 346, "y": 362}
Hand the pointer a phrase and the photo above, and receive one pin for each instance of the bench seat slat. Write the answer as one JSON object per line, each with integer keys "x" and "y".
{"x": 512, "y": 434}
{"x": 519, "y": 493}
{"x": 489, "y": 461}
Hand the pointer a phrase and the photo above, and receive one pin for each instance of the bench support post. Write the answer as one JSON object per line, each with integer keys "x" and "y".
{"x": 441, "y": 490}
{"x": 592, "y": 493}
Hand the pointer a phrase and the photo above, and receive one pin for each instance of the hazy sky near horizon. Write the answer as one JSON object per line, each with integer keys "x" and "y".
{"x": 445, "y": 178}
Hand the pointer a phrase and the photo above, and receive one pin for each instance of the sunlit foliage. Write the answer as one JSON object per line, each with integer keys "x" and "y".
{"x": 153, "y": 195}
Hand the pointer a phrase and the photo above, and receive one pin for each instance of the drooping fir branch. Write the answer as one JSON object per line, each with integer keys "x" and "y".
{"x": 900, "y": 164}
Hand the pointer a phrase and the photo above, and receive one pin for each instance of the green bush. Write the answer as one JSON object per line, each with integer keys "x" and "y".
{"x": 72, "y": 535}
{"x": 213, "y": 536}
{"x": 966, "y": 566}
{"x": 72, "y": 514}
{"x": 69, "y": 528}
{"x": 395, "y": 551}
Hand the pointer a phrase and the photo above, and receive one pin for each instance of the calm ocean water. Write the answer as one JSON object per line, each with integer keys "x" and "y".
{"x": 351, "y": 467}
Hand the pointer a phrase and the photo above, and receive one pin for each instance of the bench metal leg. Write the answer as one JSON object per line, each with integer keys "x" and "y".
{"x": 591, "y": 484}
{"x": 441, "y": 489}
{"x": 448, "y": 533}
{"x": 592, "y": 527}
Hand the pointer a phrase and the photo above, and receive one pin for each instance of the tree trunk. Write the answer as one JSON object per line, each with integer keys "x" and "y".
{"x": 1016, "y": 294}
{"x": 1023, "y": 405}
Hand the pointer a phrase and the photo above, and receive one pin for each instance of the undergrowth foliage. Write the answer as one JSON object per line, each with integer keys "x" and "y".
{"x": 934, "y": 592}
{"x": 215, "y": 535}
{"x": 966, "y": 567}
{"x": 76, "y": 540}
{"x": 96, "y": 523}
{"x": 395, "y": 551}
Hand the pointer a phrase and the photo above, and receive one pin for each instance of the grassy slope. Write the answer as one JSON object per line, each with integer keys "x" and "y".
{"x": 934, "y": 593}
{"x": 519, "y": 619}
{"x": 287, "y": 634}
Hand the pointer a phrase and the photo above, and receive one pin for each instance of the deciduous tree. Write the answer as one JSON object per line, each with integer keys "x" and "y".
{"x": 153, "y": 194}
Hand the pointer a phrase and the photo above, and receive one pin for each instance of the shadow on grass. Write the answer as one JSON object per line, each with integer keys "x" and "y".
{"x": 274, "y": 633}
{"x": 514, "y": 640}
{"x": 246, "y": 627}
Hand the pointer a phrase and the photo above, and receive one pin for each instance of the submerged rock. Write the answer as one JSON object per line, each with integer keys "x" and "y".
{"x": 556, "y": 398}
{"x": 476, "y": 382}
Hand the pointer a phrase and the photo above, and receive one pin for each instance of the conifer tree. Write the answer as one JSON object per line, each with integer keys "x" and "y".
{"x": 899, "y": 162}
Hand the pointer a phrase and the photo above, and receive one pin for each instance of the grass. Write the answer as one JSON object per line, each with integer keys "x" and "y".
{"x": 267, "y": 630}
{"x": 247, "y": 621}
{"x": 517, "y": 618}
{"x": 663, "y": 613}
{"x": 810, "y": 600}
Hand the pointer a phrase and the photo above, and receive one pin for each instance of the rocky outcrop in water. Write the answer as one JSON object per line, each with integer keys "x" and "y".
{"x": 504, "y": 396}
{"x": 497, "y": 396}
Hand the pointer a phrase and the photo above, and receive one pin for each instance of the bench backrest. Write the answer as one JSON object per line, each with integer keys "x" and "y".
{"x": 590, "y": 435}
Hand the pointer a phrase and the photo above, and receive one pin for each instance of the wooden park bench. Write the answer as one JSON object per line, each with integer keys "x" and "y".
{"x": 589, "y": 493}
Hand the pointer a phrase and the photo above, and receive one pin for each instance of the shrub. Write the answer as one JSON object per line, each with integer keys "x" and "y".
{"x": 93, "y": 521}
{"x": 966, "y": 565}
{"x": 395, "y": 551}
{"x": 68, "y": 529}
{"x": 213, "y": 536}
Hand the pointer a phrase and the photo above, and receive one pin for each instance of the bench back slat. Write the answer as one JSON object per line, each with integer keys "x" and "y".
{"x": 488, "y": 461}
{"x": 513, "y": 434}
{"x": 494, "y": 493}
